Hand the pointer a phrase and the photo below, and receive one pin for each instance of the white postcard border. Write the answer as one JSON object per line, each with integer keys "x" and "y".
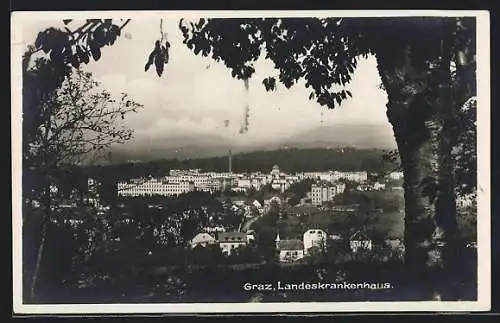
{"x": 483, "y": 222}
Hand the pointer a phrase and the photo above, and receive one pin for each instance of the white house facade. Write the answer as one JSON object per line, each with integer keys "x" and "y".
{"x": 290, "y": 250}
{"x": 360, "y": 241}
{"x": 228, "y": 241}
{"x": 314, "y": 238}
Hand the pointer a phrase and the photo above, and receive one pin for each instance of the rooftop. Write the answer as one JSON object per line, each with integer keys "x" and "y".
{"x": 232, "y": 236}
{"x": 358, "y": 235}
{"x": 292, "y": 244}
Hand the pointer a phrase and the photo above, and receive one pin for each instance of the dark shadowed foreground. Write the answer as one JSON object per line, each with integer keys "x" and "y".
{"x": 226, "y": 284}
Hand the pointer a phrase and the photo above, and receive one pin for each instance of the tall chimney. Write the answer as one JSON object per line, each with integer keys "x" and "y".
{"x": 230, "y": 162}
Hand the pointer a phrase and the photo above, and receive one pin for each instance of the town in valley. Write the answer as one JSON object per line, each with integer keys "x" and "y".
{"x": 254, "y": 218}
{"x": 217, "y": 154}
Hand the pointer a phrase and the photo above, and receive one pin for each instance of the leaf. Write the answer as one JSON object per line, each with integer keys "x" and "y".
{"x": 95, "y": 51}
{"x": 269, "y": 83}
{"x": 159, "y": 63}
{"x": 39, "y": 39}
{"x": 150, "y": 61}
{"x": 67, "y": 21}
{"x": 338, "y": 99}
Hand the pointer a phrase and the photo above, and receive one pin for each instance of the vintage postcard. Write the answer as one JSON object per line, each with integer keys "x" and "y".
{"x": 250, "y": 162}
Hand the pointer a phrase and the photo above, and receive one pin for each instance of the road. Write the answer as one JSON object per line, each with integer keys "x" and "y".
{"x": 246, "y": 226}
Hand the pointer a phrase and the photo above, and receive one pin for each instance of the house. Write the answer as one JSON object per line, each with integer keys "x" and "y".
{"x": 396, "y": 176}
{"x": 231, "y": 240}
{"x": 378, "y": 186}
{"x": 395, "y": 244}
{"x": 280, "y": 184}
{"x": 257, "y": 204}
{"x": 202, "y": 239}
{"x": 314, "y": 238}
{"x": 239, "y": 203}
{"x": 250, "y": 235}
{"x": 290, "y": 250}
{"x": 360, "y": 241}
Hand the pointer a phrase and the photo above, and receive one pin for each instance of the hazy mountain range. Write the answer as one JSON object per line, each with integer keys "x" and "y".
{"x": 183, "y": 147}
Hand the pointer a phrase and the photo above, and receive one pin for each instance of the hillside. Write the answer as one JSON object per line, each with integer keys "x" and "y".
{"x": 289, "y": 160}
{"x": 204, "y": 146}
{"x": 358, "y": 136}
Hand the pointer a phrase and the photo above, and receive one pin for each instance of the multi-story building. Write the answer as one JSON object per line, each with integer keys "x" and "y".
{"x": 256, "y": 183}
{"x": 201, "y": 182}
{"x": 350, "y": 176}
{"x": 280, "y": 185}
{"x": 244, "y": 183}
{"x": 324, "y": 193}
{"x": 323, "y": 176}
{"x": 155, "y": 186}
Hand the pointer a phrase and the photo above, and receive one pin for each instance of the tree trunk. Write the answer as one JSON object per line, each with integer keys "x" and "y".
{"x": 38, "y": 261}
{"x": 421, "y": 110}
{"x": 417, "y": 132}
{"x": 419, "y": 160}
{"x": 45, "y": 220}
{"x": 446, "y": 213}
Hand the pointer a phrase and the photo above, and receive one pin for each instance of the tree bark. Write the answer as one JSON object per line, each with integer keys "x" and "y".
{"x": 446, "y": 213}
{"x": 417, "y": 132}
{"x": 421, "y": 108}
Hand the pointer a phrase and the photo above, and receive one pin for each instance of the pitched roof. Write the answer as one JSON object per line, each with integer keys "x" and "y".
{"x": 358, "y": 235}
{"x": 232, "y": 237}
{"x": 292, "y": 244}
{"x": 202, "y": 237}
{"x": 314, "y": 230}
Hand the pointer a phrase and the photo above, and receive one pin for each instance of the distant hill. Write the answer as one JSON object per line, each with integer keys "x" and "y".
{"x": 204, "y": 146}
{"x": 178, "y": 147}
{"x": 358, "y": 136}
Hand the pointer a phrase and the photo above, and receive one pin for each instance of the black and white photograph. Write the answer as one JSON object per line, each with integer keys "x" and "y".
{"x": 250, "y": 161}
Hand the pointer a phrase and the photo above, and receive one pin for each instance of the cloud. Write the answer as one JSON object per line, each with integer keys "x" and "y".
{"x": 196, "y": 95}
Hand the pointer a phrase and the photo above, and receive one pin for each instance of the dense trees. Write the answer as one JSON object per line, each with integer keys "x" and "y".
{"x": 65, "y": 121}
{"x": 427, "y": 67}
{"x": 289, "y": 160}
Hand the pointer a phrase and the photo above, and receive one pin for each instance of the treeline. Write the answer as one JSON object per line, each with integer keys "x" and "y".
{"x": 289, "y": 160}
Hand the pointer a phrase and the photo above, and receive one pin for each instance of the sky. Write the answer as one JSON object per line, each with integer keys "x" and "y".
{"x": 196, "y": 95}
